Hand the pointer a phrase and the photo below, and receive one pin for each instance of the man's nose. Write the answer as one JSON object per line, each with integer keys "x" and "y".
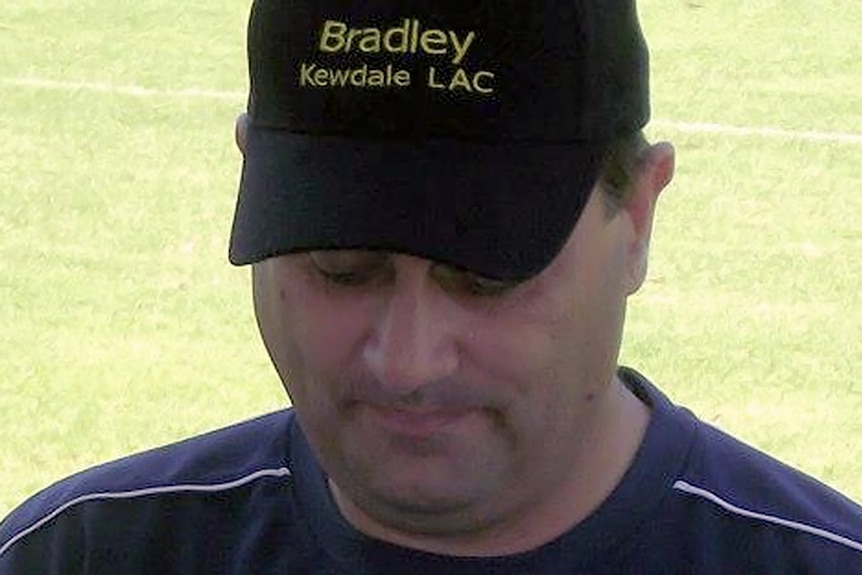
{"x": 414, "y": 340}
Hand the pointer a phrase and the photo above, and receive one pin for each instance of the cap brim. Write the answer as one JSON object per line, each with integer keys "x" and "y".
{"x": 501, "y": 210}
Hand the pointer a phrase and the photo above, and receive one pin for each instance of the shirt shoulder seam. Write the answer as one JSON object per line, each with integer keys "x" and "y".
{"x": 824, "y": 534}
{"x": 274, "y": 472}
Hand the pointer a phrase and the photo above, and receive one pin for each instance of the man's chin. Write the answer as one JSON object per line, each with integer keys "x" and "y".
{"x": 421, "y": 510}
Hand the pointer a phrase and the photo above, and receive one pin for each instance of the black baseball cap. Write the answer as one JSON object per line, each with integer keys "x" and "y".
{"x": 470, "y": 133}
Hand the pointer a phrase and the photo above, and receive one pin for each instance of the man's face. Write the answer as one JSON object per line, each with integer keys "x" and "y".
{"x": 439, "y": 402}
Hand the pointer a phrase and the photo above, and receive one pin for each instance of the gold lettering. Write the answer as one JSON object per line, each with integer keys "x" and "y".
{"x": 461, "y": 47}
{"x": 477, "y": 82}
{"x": 408, "y": 37}
{"x": 376, "y": 79}
{"x": 433, "y": 41}
{"x": 359, "y": 75}
{"x": 460, "y": 80}
{"x": 305, "y": 71}
{"x": 321, "y": 77}
{"x": 401, "y": 78}
{"x": 310, "y": 75}
{"x": 338, "y": 77}
{"x": 371, "y": 40}
{"x": 432, "y": 79}
{"x": 332, "y": 37}
{"x": 481, "y": 82}
{"x": 351, "y": 34}
{"x": 397, "y": 46}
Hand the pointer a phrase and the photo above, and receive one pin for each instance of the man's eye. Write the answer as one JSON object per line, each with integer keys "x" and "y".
{"x": 487, "y": 287}
{"x": 345, "y": 267}
{"x": 472, "y": 284}
{"x": 343, "y": 278}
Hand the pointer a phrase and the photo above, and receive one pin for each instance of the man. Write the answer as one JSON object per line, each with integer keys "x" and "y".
{"x": 445, "y": 207}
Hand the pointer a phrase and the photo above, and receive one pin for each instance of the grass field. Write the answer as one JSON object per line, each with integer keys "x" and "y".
{"x": 122, "y": 326}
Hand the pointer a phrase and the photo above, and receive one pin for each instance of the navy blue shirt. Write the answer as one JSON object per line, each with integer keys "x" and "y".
{"x": 251, "y": 499}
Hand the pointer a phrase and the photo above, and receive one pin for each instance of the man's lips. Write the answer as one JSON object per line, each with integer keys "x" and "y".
{"x": 416, "y": 422}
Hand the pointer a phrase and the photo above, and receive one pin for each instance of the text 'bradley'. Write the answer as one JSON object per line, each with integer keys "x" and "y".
{"x": 407, "y": 38}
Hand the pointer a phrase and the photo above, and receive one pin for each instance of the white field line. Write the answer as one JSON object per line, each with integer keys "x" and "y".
{"x": 662, "y": 124}
{"x": 758, "y": 131}
{"x": 128, "y": 90}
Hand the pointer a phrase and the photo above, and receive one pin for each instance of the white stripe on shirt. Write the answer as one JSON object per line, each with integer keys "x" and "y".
{"x": 189, "y": 487}
{"x": 810, "y": 529}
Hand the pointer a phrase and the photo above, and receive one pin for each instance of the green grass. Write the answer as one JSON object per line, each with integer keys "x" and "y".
{"x": 752, "y": 312}
{"x": 122, "y": 326}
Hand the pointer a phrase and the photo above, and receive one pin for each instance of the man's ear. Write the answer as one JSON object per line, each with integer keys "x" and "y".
{"x": 654, "y": 174}
{"x": 240, "y": 132}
